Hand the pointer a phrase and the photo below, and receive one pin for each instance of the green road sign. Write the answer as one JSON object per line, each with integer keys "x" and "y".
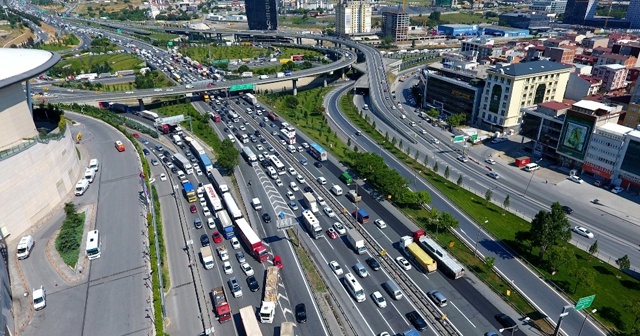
{"x": 170, "y": 43}
{"x": 474, "y": 138}
{"x": 241, "y": 87}
{"x": 585, "y": 302}
{"x": 119, "y": 31}
{"x": 458, "y": 138}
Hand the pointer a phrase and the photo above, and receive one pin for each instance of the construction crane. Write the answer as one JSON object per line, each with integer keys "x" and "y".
{"x": 404, "y": 6}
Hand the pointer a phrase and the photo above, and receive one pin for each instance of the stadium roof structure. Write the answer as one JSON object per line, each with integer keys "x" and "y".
{"x": 19, "y": 65}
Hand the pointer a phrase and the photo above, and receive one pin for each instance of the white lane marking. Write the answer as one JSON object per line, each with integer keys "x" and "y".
{"x": 461, "y": 313}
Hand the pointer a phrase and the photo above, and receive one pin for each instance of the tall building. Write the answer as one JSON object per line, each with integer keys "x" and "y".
{"x": 579, "y": 10}
{"x": 633, "y": 14}
{"x": 553, "y": 6}
{"x": 395, "y": 23}
{"x": 353, "y": 17}
{"x": 262, "y": 14}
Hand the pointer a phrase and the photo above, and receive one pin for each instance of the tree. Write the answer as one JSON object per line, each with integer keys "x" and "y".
{"x": 585, "y": 277}
{"x": 593, "y": 249}
{"x": 447, "y": 220}
{"x": 243, "y": 68}
{"x": 291, "y": 101}
{"x": 623, "y": 263}
{"x": 433, "y": 113}
{"x": 446, "y": 173}
{"x": 348, "y": 142}
{"x": 633, "y": 307}
{"x": 386, "y": 136}
{"x": 549, "y": 229}
{"x": 489, "y": 262}
{"x": 415, "y": 156}
{"x": 426, "y": 160}
{"x": 460, "y": 180}
{"x": 435, "y": 16}
{"x": 422, "y": 197}
{"x": 435, "y": 167}
{"x": 393, "y": 141}
{"x": 228, "y": 157}
{"x": 561, "y": 258}
{"x": 487, "y": 195}
{"x": 506, "y": 202}
{"x": 457, "y": 119}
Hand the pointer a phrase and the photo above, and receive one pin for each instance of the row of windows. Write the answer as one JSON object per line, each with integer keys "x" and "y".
{"x": 605, "y": 143}
{"x": 498, "y": 78}
{"x": 600, "y": 159}
{"x": 602, "y": 151}
{"x": 502, "y": 110}
{"x": 488, "y": 118}
{"x": 541, "y": 78}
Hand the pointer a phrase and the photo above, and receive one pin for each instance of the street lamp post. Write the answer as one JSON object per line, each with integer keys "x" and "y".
{"x": 478, "y": 237}
{"x": 531, "y": 178}
{"x": 585, "y": 320}
{"x": 562, "y": 316}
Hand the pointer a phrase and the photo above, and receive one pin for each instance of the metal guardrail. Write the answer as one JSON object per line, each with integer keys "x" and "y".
{"x": 28, "y": 143}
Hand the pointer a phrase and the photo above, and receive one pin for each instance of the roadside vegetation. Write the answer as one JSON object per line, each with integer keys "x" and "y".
{"x": 64, "y": 42}
{"x": 206, "y": 54}
{"x": 72, "y": 66}
{"x": 69, "y": 239}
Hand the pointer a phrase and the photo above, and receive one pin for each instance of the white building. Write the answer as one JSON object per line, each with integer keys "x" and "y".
{"x": 353, "y": 17}
{"x": 604, "y": 154}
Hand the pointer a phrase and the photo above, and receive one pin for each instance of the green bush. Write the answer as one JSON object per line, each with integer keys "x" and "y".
{"x": 70, "y": 237}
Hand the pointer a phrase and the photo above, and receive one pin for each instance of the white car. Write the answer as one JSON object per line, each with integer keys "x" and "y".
{"x": 321, "y": 201}
{"x": 235, "y": 243}
{"x": 335, "y": 267}
{"x": 290, "y": 195}
{"x": 617, "y": 190}
{"x": 339, "y": 228}
{"x": 435, "y": 141}
{"x": 169, "y": 90}
{"x": 380, "y": 223}
{"x": 582, "y": 231}
{"x": 39, "y": 298}
{"x": 279, "y": 182}
{"x": 403, "y": 263}
{"x": 321, "y": 180}
{"x": 203, "y": 202}
{"x": 329, "y": 212}
{"x": 260, "y": 147}
{"x": 206, "y": 211}
{"x": 300, "y": 179}
{"x": 211, "y": 223}
{"x": 462, "y": 158}
{"x": 163, "y": 177}
{"x": 292, "y": 171}
{"x": 575, "y": 179}
{"x": 379, "y": 299}
{"x": 227, "y": 267}
{"x": 305, "y": 145}
{"x": 490, "y": 161}
{"x": 294, "y": 186}
{"x": 129, "y": 92}
{"x": 494, "y": 175}
{"x": 246, "y": 268}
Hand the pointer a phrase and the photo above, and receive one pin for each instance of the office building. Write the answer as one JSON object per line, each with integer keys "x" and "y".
{"x": 481, "y": 47}
{"x": 262, "y": 14}
{"x": 353, "y": 17}
{"x": 578, "y": 11}
{"x": 633, "y": 14}
{"x": 395, "y": 23}
{"x": 533, "y": 21}
{"x": 542, "y": 124}
{"x": 632, "y": 117}
{"x": 604, "y": 152}
{"x": 554, "y": 6}
{"x": 581, "y": 86}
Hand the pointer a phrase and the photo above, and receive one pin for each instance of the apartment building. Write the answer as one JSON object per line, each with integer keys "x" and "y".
{"x": 614, "y": 76}
{"x": 353, "y": 17}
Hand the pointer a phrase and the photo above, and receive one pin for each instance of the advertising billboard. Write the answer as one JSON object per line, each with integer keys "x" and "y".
{"x": 576, "y": 134}
{"x": 630, "y": 162}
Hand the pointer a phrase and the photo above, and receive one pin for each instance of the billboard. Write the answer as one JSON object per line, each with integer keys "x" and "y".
{"x": 632, "y": 158}
{"x": 576, "y": 134}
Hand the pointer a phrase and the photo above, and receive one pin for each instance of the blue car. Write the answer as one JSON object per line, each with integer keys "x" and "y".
{"x": 146, "y": 151}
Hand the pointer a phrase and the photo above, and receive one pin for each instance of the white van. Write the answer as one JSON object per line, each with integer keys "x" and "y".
{"x": 272, "y": 173}
{"x": 81, "y": 187}
{"x": 256, "y": 204}
{"x": 94, "y": 164}
{"x": 231, "y": 138}
{"x": 393, "y": 289}
{"x": 24, "y": 247}
{"x": 531, "y": 167}
{"x": 89, "y": 174}
{"x": 336, "y": 190}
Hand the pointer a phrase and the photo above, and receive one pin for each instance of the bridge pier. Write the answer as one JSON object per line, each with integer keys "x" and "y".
{"x": 219, "y": 36}
{"x": 29, "y": 102}
{"x": 299, "y": 40}
{"x": 324, "y": 80}
{"x": 294, "y": 86}
{"x": 141, "y": 104}
{"x": 343, "y": 74}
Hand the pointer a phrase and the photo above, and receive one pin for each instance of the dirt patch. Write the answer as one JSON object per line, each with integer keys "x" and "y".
{"x": 107, "y": 7}
{"x": 48, "y": 29}
{"x": 16, "y": 38}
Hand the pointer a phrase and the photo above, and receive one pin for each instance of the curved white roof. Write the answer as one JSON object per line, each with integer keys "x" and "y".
{"x": 21, "y": 64}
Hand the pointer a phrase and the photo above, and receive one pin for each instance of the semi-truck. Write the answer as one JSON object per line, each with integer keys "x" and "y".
{"x": 310, "y": 200}
{"x": 312, "y": 224}
{"x": 219, "y": 181}
{"x": 353, "y": 196}
{"x": 251, "y": 240}
{"x": 226, "y": 225}
{"x": 219, "y": 299}
{"x": 183, "y": 163}
{"x": 357, "y": 241}
{"x": 270, "y": 297}
{"x": 189, "y": 192}
{"x": 415, "y": 252}
{"x": 249, "y": 321}
{"x": 207, "y": 257}
{"x": 246, "y": 74}
{"x": 232, "y": 207}
{"x": 361, "y": 215}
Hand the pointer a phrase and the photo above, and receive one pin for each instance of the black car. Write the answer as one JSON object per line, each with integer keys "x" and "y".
{"x": 204, "y": 240}
{"x": 308, "y": 189}
{"x": 373, "y": 263}
{"x": 166, "y": 153}
{"x": 257, "y": 133}
{"x": 262, "y": 124}
{"x": 253, "y": 283}
{"x": 301, "y": 313}
{"x": 263, "y": 140}
{"x": 318, "y": 164}
{"x": 174, "y": 170}
{"x": 266, "y": 218}
{"x": 567, "y": 210}
{"x": 417, "y": 320}
{"x": 166, "y": 159}
{"x": 506, "y": 321}
{"x": 265, "y": 163}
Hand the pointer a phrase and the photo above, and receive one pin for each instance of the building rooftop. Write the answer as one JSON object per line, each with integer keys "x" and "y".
{"x": 593, "y": 105}
{"x": 22, "y": 64}
{"x": 457, "y": 25}
{"x": 615, "y": 56}
{"x": 502, "y": 28}
{"x": 530, "y": 68}
{"x": 615, "y": 128}
{"x": 612, "y": 66}
{"x": 554, "y": 105}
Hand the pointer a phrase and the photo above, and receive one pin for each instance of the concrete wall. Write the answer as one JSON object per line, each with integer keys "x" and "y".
{"x": 15, "y": 117}
{"x": 288, "y": 85}
{"x": 35, "y": 181}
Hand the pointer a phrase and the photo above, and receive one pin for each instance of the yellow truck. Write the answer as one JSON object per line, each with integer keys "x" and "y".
{"x": 417, "y": 254}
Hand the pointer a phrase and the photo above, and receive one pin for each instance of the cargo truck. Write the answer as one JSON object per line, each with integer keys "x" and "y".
{"x": 189, "y": 192}
{"x": 251, "y": 240}
{"x": 223, "y": 253}
{"x": 205, "y": 97}
{"x": 270, "y": 298}
{"x": 249, "y": 321}
{"x": 312, "y": 224}
{"x": 361, "y": 216}
{"x": 346, "y": 178}
{"x": 222, "y": 308}
{"x": 226, "y": 225}
{"x": 310, "y": 200}
{"x": 418, "y": 255}
{"x": 353, "y": 196}
{"x": 207, "y": 257}
{"x": 357, "y": 241}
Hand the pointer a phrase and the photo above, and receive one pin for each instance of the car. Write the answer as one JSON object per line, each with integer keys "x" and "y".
{"x": 339, "y": 228}
{"x": 301, "y": 313}
{"x": 318, "y": 164}
{"x": 300, "y": 149}
{"x": 136, "y": 135}
{"x": 204, "y": 240}
{"x": 240, "y": 257}
{"x": 321, "y": 200}
{"x": 305, "y": 145}
{"x": 575, "y": 179}
{"x": 217, "y": 237}
{"x": 417, "y": 320}
{"x": 462, "y": 158}
{"x": 308, "y": 189}
{"x": 506, "y": 321}
{"x": 203, "y": 202}
{"x": 292, "y": 171}
{"x": 303, "y": 162}
{"x": 582, "y": 231}
{"x": 235, "y": 287}
{"x": 157, "y": 90}
{"x": 301, "y": 179}
{"x": 39, "y": 298}
{"x": 211, "y": 223}
{"x": 253, "y": 284}
{"x": 246, "y": 268}
{"x": 332, "y": 233}
{"x": 329, "y": 212}
{"x": 279, "y": 182}
{"x": 159, "y": 149}
{"x": 271, "y": 149}
{"x": 226, "y": 265}
{"x": 437, "y": 298}
{"x": 197, "y": 222}
{"x": 145, "y": 141}
{"x": 235, "y": 243}
{"x": 263, "y": 140}
{"x": 290, "y": 195}
{"x": 129, "y": 92}
{"x": 403, "y": 263}
{"x": 277, "y": 261}
{"x": 321, "y": 180}
{"x": 294, "y": 186}
{"x": 145, "y": 151}
{"x": 380, "y": 223}
{"x": 373, "y": 263}
{"x": 490, "y": 161}
{"x": 163, "y": 177}
{"x": 498, "y": 140}
{"x": 379, "y": 299}
{"x": 265, "y": 163}
{"x": 174, "y": 170}
{"x": 567, "y": 210}
{"x": 494, "y": 175}
{"x": 266, "y": 218}
{"x": 617, "y": 190}
{"x": 260, "y": 147}
{"x": 293, "y": 205}
{"x": 206, "y": 212}
{"x": 193, "y": 208}
{"x": 335, "y": 267}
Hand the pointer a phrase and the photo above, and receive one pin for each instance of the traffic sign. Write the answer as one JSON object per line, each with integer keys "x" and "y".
{"x": 458, "y": 138}
{"x": 585, "y": 302}
{"x": 241, "y": 87}
{"x": 474, "y": 138}
{"x": 170, "y": 43}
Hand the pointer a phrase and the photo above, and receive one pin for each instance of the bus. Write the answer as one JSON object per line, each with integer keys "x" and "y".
{"x": 176, "y": 77}
{"x": 150, "y": 115}
{"x": 249, "y": 321}
{"x": 354, "y": 287}
{"x": 277, "y": 165}
{"x": 93, "y": 245}
{"x": 214, "y": 201}
{"x": 183, "y": 163}
{"x": 448, "y": 264}
{"x": 289, "y": 136}
{"x": 119, "y": 146}
{"x": 318, "y": 152}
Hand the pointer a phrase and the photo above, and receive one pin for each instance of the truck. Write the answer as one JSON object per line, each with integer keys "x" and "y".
{"x": 206, "y": 162}
{"x": 218, "y": 181}
{"x": 207, "y": 257}
{"x": 232, "y": 206}
{"x": 270, "y": 296}
{"x": 250, "y": 99}
{"x": 353, "y": 196}
{"x": 272, "y": 116}
{"x": 248, "y": 155}
{"x": 312, "y": 224}
{"x": 246, "y": 74}
{"x": 226, "y": 225}
{"x": 279, "y": 74}
{"x": 251, "y": 240}
{"x": 125, "y": 73}
{"x": 357, "y": 241}
{"x": 446, "y": 263}
{"x": 223, "y": 253}
{"x": 361, "y": 215}
{"x": 310, "y": 200}
{"x": 417, "y": 254}
{"x": 222, "y": 308}
{"x": 346, "y": 178}
{"x": 119, "y": 108}
{"x": 177, "y": 140}
{"x": 189, "y": 192}
{"x": 249, "y": 321}
{"x": 216, "y": 118}
{"x": 204, "y": 96}
{"x": 183, "y": 163}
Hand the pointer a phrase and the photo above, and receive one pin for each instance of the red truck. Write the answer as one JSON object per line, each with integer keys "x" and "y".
{"x": 216, "y": 117}
{"x": 222, "y": 308}
{"x": 251, "y": 240}
{"x": 273, "y": 116}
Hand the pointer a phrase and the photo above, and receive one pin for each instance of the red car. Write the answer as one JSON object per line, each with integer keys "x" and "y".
{"x": 217, "y": 237}
{"x": 277, "y": 261}
{"x": 332, "y": 233}
{"x": 193, "y": 209}
{"x": 136, "y": 135}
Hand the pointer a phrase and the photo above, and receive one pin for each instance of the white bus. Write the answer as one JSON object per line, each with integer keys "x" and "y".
{"x": 93, "y": 245}
{"x": 288, "y": 135}
{"x": 149, "y": 115}
{"x": 354, "y": 287}
{"x": 277, "y": 165}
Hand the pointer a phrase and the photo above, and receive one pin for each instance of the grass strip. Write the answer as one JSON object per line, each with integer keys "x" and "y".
{"x": 312, "y": 273}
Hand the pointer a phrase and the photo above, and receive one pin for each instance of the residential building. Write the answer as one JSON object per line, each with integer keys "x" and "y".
{"x": 614, "y": 76}
{"x": 553, "y": 6}
{"x": 560, "y": 55}
{"x": 584, "y": 59}
{"x": 353, "y": 17}
{"x": 577, "y": 11}
{"x": 262, "y": 14}
{"x": 581, "y": 86}
{"x": 483, "y": 48}
{"x": 635, "y": 93}
{"x": 593, "y": 42}
{"x": 555, "y": 42}
{"x": 632, "y": 117}
{"x": 542, "y": 124}
{"x": 534, "y": 21}
{"x": 631, "y": 48}
{"x": 582, "y": 69}
{"x": 395, "y": 23}
{"x": 626, "y": 60}
{"x": 509, "y": 88}
{"x": 604, "y": 153}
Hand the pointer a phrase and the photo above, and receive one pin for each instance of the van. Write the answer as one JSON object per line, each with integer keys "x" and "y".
{"x": 81, "y": 187}
{"x": 393, "y": 289}
{"x": 249, "y": 110}
{"x": 531, "y": 167}
{"x": 272, "y": 173}
{"x": 24, "y": 247}
{"x": 89, "y": 174}
{"x": 94, "y": 164}
{"x": 181, "y": 175}
{"x": 437, "y": 298}
{"x": 256, "y": 204}
{"x": 362, "y": 272}
{"x": 231, "y": 138}
{"x": 336, "y": 190}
